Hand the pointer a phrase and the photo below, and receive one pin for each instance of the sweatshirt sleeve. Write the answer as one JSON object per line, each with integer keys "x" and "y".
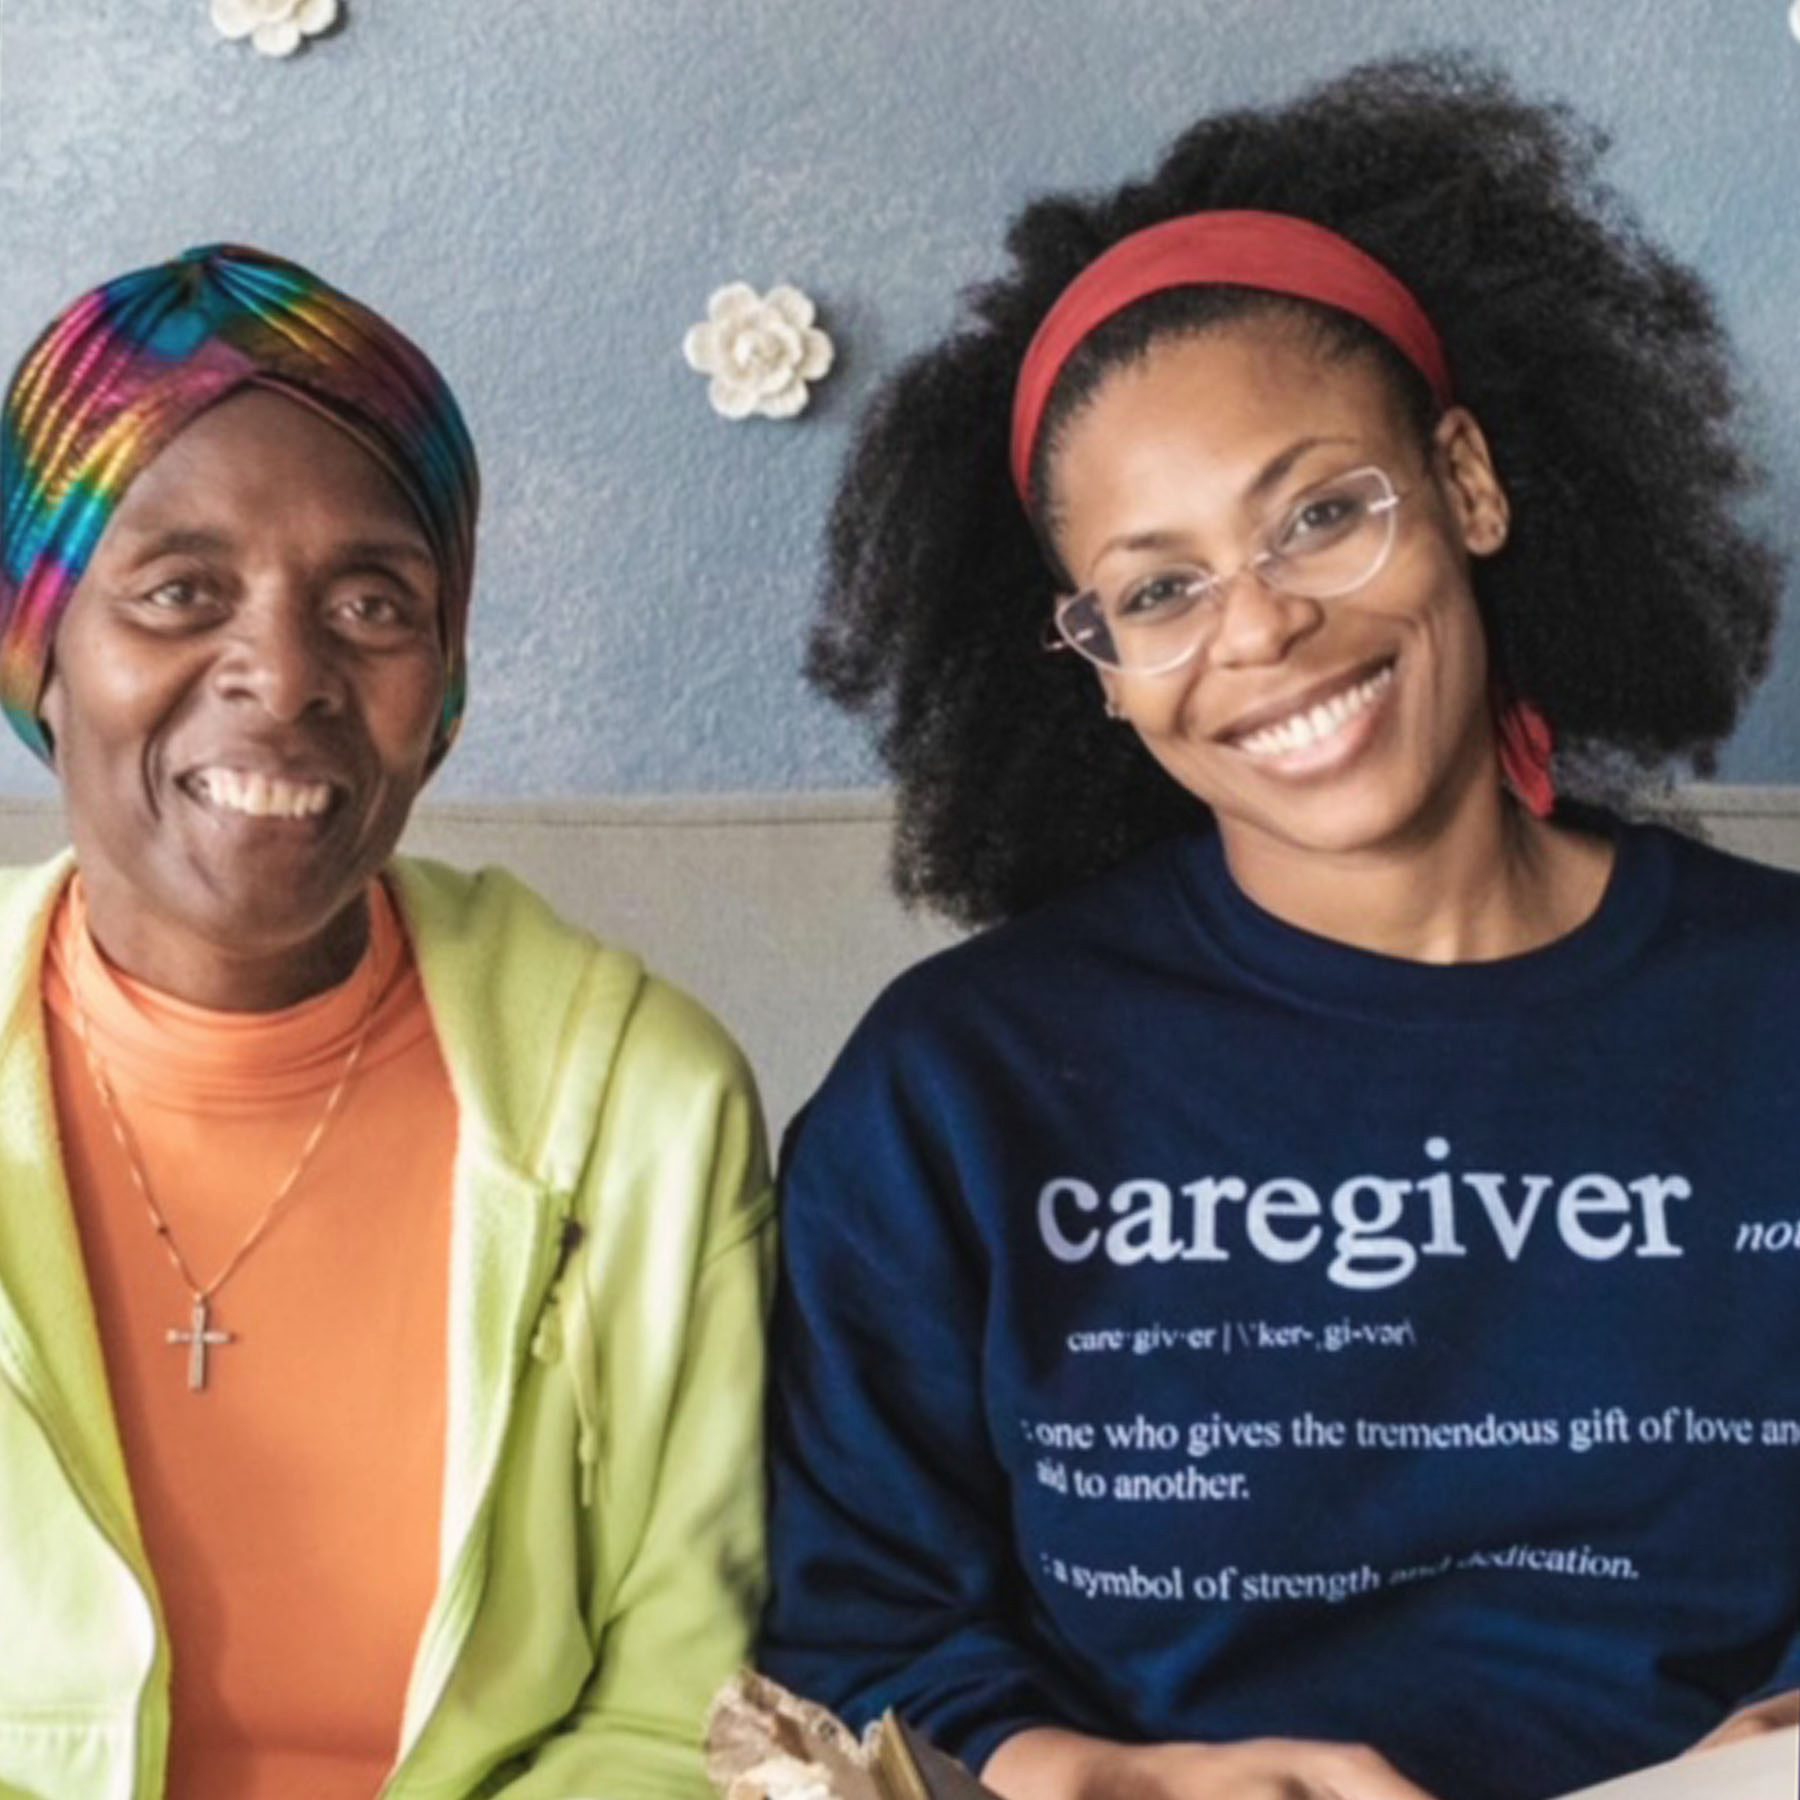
{"x": 895, "y": 1578}
{"x": 676, "y": 1519}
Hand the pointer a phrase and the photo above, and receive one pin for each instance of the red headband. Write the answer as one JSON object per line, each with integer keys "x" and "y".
{"x": 1271, "y": 251}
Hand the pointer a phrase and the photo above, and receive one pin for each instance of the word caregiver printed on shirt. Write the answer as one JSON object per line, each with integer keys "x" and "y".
{"x": 1369, "y": 1230}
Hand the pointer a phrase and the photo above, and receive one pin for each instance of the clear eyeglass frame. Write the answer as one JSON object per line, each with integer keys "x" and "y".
{"x": 1321, "y": 572}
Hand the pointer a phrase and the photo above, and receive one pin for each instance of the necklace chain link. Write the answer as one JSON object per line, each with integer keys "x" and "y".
{"x": 202, "y": 1293}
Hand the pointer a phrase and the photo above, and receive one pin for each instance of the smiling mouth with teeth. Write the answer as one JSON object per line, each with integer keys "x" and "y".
{"x": 261, "y": 796}
{"x": 1313, "y": 725}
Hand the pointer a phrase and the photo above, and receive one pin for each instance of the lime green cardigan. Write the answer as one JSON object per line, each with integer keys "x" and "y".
{"x": 602, "y": 1521}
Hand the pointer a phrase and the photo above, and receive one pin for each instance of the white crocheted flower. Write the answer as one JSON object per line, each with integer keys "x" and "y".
{"x": 1794, "y": 18}
{"x": 760, "y": 350}
{"x": 275, "y": 27}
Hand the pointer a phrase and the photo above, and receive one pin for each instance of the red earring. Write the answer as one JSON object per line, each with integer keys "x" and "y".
{"x": 1525, "y": 742}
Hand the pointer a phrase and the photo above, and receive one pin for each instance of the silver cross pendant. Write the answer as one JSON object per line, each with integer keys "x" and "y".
{"x": 200, "y": 1339}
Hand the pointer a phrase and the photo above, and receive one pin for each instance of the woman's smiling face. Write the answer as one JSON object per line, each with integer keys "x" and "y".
{"x": 1340, "y": 725}
{"x": 245, "y": 688}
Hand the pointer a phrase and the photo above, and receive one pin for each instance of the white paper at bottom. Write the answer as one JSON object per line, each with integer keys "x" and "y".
{"x": 1763, "y": 1768}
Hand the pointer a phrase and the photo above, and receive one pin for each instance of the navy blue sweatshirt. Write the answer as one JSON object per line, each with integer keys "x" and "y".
{"x": 1193, "y": 1328}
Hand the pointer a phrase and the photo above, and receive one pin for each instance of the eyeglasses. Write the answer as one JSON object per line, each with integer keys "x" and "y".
{"x": 1330, "y": 540}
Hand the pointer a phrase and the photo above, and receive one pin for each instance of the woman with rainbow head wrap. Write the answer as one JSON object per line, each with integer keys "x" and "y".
{"x": 349, "y": 1443}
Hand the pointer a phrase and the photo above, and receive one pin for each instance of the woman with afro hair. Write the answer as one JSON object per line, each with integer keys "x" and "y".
{"x": 1303, "y": 1305}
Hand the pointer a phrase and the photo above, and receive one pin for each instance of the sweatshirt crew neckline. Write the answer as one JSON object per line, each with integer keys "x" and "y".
{"x": 1321, "y": 973}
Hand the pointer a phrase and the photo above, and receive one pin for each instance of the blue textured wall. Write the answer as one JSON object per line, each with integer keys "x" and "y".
{"x": 545, "y": 193}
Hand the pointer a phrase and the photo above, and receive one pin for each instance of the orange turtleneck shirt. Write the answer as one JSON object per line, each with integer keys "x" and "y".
{"x": 291, "y": 1509}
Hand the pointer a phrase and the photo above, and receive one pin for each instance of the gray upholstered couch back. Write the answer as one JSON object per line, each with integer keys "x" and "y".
{"x": 774, "y": 911}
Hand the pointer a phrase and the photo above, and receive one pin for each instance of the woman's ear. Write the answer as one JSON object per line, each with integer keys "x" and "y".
{"x": 49, "y": 710}
{"x": 1471, "y": 484}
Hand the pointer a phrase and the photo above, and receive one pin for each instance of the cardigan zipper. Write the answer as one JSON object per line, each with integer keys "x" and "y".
{"x": 452, "y": 1618}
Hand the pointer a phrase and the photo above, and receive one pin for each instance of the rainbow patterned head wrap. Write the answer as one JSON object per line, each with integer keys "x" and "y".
{"x": 120, "y": 372}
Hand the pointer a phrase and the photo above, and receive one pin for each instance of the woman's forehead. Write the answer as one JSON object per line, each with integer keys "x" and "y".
{"x": 260, "y": 458}
{"x": 1230, "y": 414}
{"x": 1230, "y": 386}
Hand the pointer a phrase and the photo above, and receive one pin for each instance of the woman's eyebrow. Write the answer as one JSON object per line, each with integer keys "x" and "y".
{"x": 1270, "y": 475}
{"x": 380, "y": 550}
{"x": 1141, "y": 540}
{"x": 1277, "y": 468}
{"x": 190, "y": 540}
{"x": 176, "y": 540}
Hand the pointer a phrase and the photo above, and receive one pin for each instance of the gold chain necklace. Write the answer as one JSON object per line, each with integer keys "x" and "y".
{"x": 201, "y": 1337}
